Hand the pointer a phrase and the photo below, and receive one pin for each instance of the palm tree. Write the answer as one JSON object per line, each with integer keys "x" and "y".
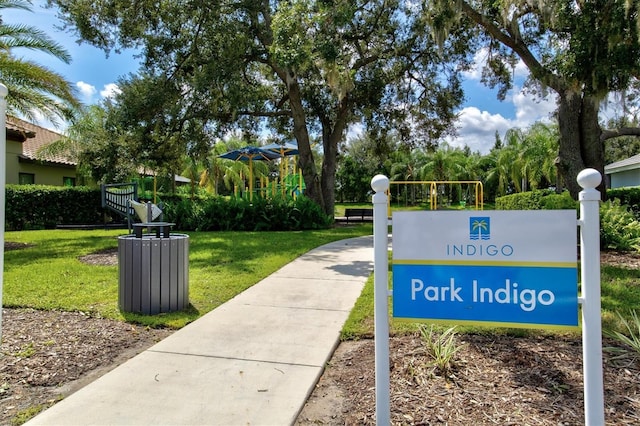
{"x": 100, "y": 149}
{"x": 33, "y": 89}
{"x": 217, "y": 170}
{"x": 445, "y": 164}
{"x": 193, "y": 171}
{"x": 406, "y": 167}
{"x": 507, "y": 171}
{"x": 538, "y": 153}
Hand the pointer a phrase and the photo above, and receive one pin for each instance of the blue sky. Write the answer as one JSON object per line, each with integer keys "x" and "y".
{"x": 94, "y": 76}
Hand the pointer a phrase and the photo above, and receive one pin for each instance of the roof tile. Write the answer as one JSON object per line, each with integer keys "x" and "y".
{"x": 37, "y": 137}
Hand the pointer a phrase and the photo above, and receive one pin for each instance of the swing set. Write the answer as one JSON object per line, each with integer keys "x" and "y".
{"x": 417, "y": 189}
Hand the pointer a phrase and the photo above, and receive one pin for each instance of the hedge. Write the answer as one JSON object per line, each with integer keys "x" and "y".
{"x": 42, "y": 207}
{"x": 536, "y": 200}
{"x": 628, "y": 197}
{"x": 619, "y": 226}
{"x": 237, "y": 214}
{"x": 39, "y": 206}
{"x": 547, "y": 199}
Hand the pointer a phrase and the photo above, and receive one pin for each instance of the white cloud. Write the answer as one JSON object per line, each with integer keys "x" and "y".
{"x": 476, "y": 69}
{"x": 60, "y": 126}
{"x": 477, "y": 129}
{"x": 110, "y": 90}
{"x": 520, "y": 71}
{"x": 614, "y": 107}
{"x": 530, "y": 109}
{"x": 354, "y": 131}
{"x": 86, "y": 89}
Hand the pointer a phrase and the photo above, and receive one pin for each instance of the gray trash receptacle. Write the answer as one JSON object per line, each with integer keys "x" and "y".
{"x": 153, "y": 273}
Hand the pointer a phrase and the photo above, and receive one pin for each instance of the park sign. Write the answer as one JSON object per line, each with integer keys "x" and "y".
{"x": 494, "y": 268}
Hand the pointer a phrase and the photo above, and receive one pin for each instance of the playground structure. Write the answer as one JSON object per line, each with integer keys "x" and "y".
{"x": 414, "y": 192}
{"x": 288, "y": 182}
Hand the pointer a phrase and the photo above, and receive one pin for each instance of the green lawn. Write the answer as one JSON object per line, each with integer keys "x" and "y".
{"x": 48, "y": 274}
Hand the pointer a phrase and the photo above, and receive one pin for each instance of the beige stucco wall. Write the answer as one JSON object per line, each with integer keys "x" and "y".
{"x": 13, "y": 150}
{"x": 46, "y": 175}
{"x": 43, "y": 174}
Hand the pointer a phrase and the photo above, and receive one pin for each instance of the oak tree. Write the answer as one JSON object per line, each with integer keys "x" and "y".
{"x": 305, "y": 68}
{"x": 581, "y": 50}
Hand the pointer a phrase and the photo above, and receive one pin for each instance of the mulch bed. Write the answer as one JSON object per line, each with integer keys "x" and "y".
{"x": 495, "y": 380}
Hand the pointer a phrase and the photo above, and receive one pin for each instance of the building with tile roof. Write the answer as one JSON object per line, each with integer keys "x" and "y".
{"x": 623, "y": 173}
{"x": 25, "y": 163}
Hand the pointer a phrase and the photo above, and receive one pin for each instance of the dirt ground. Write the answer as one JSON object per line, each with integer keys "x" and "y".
{"x": 494, "y": 380}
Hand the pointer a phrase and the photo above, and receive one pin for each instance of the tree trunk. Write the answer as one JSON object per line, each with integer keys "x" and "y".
{"x": 580, "y": 145}
{"x": 592, "y": 145}
{"x": 330, "y": 145}
{"x": 301, "y": 133}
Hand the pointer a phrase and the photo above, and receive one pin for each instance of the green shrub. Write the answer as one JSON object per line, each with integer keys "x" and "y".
{"x": 238, "y": 214}
{"x": 562, "y": 201}
{"x": 619, "y": 229}
{"x": 630, "y": 336}
{"x": 40, "y": 207}
{"x": 536, "y": 200}
{"x": 440, "y": 347}
{"x": 627, "y": 196}
{"x": 520, "y": 201}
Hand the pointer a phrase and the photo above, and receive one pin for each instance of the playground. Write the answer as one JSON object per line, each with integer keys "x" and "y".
{"x": 436, "y": 195}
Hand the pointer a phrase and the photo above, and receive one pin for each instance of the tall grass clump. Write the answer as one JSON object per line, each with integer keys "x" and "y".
{"x": 630, "y": 335}
{"x": 441, "y": 347}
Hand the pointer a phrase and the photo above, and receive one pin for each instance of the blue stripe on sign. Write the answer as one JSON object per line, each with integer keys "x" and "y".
{"x": 495, "y": 294}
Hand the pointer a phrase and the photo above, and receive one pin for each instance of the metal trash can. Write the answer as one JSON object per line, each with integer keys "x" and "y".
{"x": 153, "y": 273}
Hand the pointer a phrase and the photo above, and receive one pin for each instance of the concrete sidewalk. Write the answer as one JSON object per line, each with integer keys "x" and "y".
{"x": 252, "y": 361}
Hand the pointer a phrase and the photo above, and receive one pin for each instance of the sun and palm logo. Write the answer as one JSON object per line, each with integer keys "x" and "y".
{"x": 479, "y": 228}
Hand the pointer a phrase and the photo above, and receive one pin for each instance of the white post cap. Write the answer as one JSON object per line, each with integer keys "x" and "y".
{"x": 589, "y": 178}
{"x": 380, "y": 183}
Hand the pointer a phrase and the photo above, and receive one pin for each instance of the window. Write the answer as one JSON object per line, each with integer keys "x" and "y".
{"x": 68, "y": 181}
{"x": 26, "y": 178}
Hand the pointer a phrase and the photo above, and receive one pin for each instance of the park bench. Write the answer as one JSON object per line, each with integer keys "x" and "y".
{"x": 360, "y": 214}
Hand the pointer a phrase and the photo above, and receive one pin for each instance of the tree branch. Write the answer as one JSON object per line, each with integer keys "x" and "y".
{"x": 281, "y": 113}
{"x": 622, "y": 131}
{"x": 535, "y": 67}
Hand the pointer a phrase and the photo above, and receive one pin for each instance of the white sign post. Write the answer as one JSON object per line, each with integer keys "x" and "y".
{"x": 3, "y": 178}
{"x": 380, "y": 185}
{"x": 589, "y": 198}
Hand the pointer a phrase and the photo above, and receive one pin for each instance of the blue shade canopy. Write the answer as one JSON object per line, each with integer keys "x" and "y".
{"x": 250, "y": 153}
{"x": 284, "y": 149}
